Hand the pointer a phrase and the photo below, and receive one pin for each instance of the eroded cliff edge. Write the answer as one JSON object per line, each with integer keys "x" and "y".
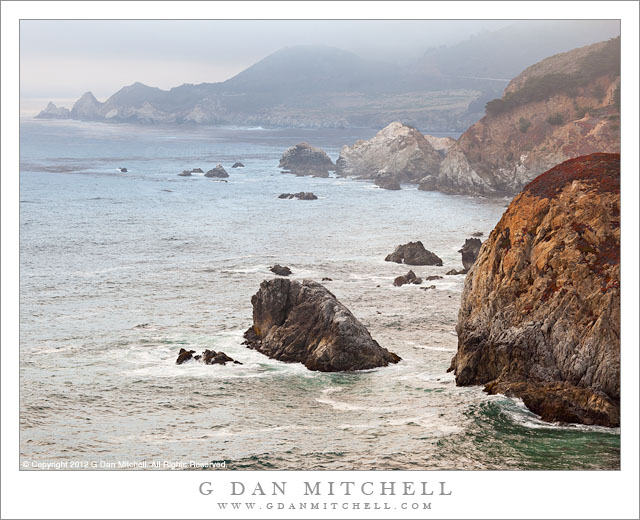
{"x": 540, "y": 311}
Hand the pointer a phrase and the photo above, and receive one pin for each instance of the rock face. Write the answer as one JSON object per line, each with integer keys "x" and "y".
{"x": 440, "y": 144}
{"x": 303, "y": 322}
{"x": 540, "y": 313}
{"x": 410, "y": 277}
{"x": 565, "y": 106}
{"x": 218, "y": 171}
{"x": 303, "y": 159}
{"x": 280, "y": 270}
{"x": 413, "y": 253}
{"x": 54, "y": 112}
{"x": 87, "y": 108}
{"x": 208, "y": 357}
{"x": 303, "y": 195}
{"x": 470, "y": 251}
{"x": 397, "y": 152}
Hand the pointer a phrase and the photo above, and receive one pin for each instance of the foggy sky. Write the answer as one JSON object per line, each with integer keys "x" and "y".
{"x": 62, "y": 59}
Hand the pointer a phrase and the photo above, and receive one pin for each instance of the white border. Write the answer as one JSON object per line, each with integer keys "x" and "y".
{"x": 175, "y": 495}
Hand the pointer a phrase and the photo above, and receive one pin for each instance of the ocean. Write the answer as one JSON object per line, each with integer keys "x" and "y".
{"x": 118, "y": 271}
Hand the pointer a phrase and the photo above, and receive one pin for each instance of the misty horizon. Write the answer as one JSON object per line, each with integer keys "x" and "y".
{"x": 55, "y": 68}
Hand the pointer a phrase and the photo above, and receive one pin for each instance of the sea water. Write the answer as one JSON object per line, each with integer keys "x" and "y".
{"x": 118, "y": 271}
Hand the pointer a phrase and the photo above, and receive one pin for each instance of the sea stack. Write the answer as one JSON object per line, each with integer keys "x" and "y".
{"x": 302, "y": 322}
{"x": 396, "y": 154}
{"x": 540, "y": 312}
{"x": 303, "y": 159}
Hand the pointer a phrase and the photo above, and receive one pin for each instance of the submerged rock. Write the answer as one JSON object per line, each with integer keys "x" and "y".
{"x": 470, "y": 251}
{"x": 434, "y": 277}
{"x": 413, "y": 253}
{"x": 185, "y": 173}
{"x": 410, "y": 277}
{"x": 540, "y": 312}
{"x": 123, "y": 170}
{"x": 197, "y": 170}
{"x": 477, "y": 234}
{"x": 454, "y": 272}
{"x": 238, "y": 165}
{"x": 303, "y": 322}
{"x": 218, "y": 171}
{"x": 280, "y": 270}
{"x": 303, "y": 159}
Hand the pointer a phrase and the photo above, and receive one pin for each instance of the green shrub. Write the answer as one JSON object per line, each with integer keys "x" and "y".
{"x": 524, "y": 125}
{"x": 555, "y": 119}
{"x": 605, "y": 61}
{"x": 616, "y": 96}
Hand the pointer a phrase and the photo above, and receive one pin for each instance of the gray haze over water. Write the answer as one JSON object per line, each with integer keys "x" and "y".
{"x": 62, "y": 59}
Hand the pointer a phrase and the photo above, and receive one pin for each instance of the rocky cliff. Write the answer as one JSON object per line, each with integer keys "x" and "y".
{"x": 562, "y": 107}
{"x": 540, "y": 312}
{"x": 397, "y": 152}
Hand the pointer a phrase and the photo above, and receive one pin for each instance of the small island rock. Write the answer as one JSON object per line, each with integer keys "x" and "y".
{"x": 303, "y": 322}
{"x": 413, "y": 253}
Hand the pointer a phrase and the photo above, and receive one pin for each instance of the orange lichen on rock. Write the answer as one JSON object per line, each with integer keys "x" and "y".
{"x": 541, "y": 304}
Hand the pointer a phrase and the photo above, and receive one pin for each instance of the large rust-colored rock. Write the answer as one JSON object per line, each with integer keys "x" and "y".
{"x": 540, "y": 312}
{"x": 303, "y": 322}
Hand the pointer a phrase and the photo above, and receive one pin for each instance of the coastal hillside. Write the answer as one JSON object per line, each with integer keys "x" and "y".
{"x": 540, "y": 311}
{"x": 565, "y": 106}
{"x": 315, "y": 86}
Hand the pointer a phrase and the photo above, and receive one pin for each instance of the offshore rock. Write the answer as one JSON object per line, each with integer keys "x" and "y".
{"x": 398, "y": 151}
{"x": 540, "y": 312}
{"x": 238, "y": 165}
{"x": 410, "y": 277}
{"x": 208, "y": 357}
{"x": 54, "y": 112}
{"x": 303, "y": 159}
{"x": 218, "y": 171}
{"x": 302, "y": 322}
{"x": 185, "y": 173}
{"x": 470, "y": 251}
{"x": 303, "y": 195}
{"x": 386, "y": 182}
{"x": 413, "y": 253}
{"x": 280, "y": 270}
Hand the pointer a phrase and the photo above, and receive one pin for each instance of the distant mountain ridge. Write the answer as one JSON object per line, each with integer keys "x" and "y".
{"x": 319, "y": 86}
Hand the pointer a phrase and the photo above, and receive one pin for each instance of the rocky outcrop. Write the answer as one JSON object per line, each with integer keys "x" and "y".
{"x": 218, "y": 171}
{"x": 303, "y": 195}
{"x": 410, "y": 277}
{"x": 280, "y": 270}
{"x": 562, "y": 107}
{"x": 440, "y": 144}
{"x": 238, "y": 165}
{"x": 386, "y": 182}
{"x": 185, "y": 173}
{"x": 302, "y": 322}
{"x": 470, "y": 251}
{"x": 197, "y": 170}
{"x": 397, "y": 152}
{"x": 208, "y": 357}
{"x": 413, "y": 253}
{"x": 453, "y": 272}
{"x": 540, "y": 313}
{"x": 53, "y": 112}
{"x": 303, "y": 159}
{"x": 87, "y": 108}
